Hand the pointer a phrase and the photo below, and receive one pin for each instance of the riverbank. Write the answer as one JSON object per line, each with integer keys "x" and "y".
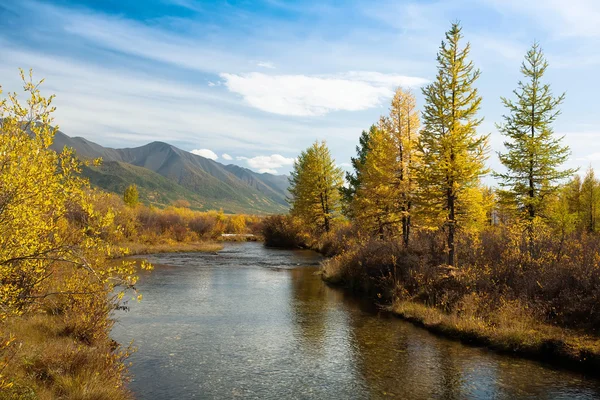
{"x": 539, "y": 311}
{"x": 509, "y": 334}
{"x": 51, "y": 359}
{"x": 136, "y": 249}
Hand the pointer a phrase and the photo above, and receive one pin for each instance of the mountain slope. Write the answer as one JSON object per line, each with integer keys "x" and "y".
{"x": 165, "y": 173}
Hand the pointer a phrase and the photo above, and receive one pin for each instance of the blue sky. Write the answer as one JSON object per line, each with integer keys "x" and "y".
{"x": 255, "y": 82}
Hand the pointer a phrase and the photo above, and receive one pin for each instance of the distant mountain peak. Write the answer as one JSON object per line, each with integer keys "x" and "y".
{"x": 165, "y": 173}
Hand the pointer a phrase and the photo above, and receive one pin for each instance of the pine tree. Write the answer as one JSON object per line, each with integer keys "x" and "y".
{"x": 315, "y": 187}
{"x": 452, "y": 154}
{"x": 354, "y": 179}
{"x": 534, "y": 155}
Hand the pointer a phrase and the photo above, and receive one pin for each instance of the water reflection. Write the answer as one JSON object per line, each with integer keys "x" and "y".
{"x": 252, "y": 322}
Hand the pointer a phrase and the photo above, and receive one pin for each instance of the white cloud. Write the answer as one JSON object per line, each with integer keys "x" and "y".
{"x": 206, "y": 153}
{"x": 226, "y": 156}
{"x": 266, "y": 64}
{"x": 267, "y": 163}
{"x": 577, "y": 18}
{"x": 302, "y": 95}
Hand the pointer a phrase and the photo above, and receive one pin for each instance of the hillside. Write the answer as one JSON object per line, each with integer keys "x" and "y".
{"x": 165, "y": 173}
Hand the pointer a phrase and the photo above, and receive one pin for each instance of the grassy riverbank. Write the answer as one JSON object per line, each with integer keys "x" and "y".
{"x": 509, "y": 333}
{"x": 53, "y": 360}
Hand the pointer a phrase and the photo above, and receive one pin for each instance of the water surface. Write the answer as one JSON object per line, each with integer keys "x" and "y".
{"x": 252, "y": 322}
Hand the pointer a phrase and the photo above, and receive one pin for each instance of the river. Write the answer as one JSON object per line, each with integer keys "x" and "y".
{"x": 253, "y": 322}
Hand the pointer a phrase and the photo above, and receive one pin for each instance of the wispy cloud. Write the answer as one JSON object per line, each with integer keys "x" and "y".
{"x": 226, "y": 157}
{"x": 266, "y": 64}
{"x": 578, "y": 18}
{"x": 301, "y": 95}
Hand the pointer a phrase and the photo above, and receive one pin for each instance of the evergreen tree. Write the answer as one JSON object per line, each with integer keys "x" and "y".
{"x": 452, "y": 154}
{"x": 354, "y": 179}
{"x": 315, "y": 187}
{"x": 534, "y": 155}
{"x": 131, "y": 195}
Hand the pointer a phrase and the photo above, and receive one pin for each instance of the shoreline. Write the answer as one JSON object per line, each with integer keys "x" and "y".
{"x": 529, "y": 339}
{"x": 560, "y": 348}
{"x": 140, "y": 249}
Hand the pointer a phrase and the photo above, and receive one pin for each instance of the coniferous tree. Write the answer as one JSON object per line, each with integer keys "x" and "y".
{"x": 131, "y": 195}
{"x": 376, "y": 199}
{"x": 353, "y": 178}
{"x": 452, "y": 153}
{"x": 534, "y": 155}
{"x": 572, "y": 193}
{"x": 315, "y": 187}
{"x": 590, "y": 199}
{"x": 404, "y": 126}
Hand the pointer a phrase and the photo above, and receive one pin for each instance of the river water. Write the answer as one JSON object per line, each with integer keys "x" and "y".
{"x": 252, "y": 322}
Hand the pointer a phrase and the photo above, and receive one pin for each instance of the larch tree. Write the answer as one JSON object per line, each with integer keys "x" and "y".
{"x": 375, "y": 204}
{"x": 315, "y": 187}
{"x": 533, "y": 154}
{"x": 404, "y": 126}
{"x": 590, "y": 199}
{"x": 452, "y": 153}
{"x": 131, "y": 195}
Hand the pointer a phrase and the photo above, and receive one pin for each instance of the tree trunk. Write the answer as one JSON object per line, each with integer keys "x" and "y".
{"x": 451, "y": 229}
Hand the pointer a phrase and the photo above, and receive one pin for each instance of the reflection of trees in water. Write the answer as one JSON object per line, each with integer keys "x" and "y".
{"x": 309, "y": 308}
{"x": 393, "y": 359}
{"x": 394, "y": 363}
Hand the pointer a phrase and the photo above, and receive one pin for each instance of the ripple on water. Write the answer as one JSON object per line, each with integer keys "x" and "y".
{"x": 253, "y": 322}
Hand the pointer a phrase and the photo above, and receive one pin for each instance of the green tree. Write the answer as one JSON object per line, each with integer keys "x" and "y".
{"x": 315, "y": 187}
{"x": 590, "y": 199}
{"x": 131, "y": 195}
{"x": 452, "y": 153}
{"x": 354, "y": 178}
{"x": 534, "y": 155}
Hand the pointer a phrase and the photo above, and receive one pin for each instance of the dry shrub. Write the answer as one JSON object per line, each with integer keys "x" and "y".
{"x": 558, "y": 282}
{"x": 203, "y": 225}
{"x": 283, "y": 231}
{"x": 337, "y": 240}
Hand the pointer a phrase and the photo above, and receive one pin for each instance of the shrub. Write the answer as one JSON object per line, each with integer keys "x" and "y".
{"x": 283, "y": 231}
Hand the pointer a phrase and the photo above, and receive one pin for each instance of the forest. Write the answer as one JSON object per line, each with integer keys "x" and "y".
{"x": 514, "y": 265}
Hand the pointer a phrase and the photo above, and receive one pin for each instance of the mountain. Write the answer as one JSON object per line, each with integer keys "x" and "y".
{"x": 165, "y": 173}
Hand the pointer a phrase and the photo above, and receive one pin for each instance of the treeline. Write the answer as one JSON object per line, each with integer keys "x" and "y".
{"x": 143, "y": 229}
{"x": 414, "y": 223}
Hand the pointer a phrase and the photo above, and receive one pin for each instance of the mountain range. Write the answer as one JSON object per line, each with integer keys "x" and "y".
{"x": 164, "y": 174}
